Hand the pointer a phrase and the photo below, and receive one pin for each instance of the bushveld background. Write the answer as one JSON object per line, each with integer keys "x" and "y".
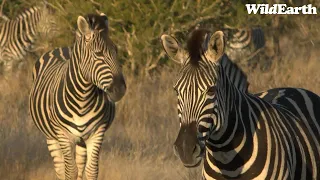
{"x": 138, "y": 145}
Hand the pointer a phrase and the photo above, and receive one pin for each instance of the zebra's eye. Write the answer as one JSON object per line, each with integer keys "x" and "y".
{"x": 211, "y": 91}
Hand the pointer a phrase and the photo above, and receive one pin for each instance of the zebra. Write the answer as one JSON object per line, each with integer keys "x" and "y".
{"x": 243, "y": 44}
{"x": 17, "y": 36}
{"x": 72, "y": 99}
{"x": 239, "y": 135}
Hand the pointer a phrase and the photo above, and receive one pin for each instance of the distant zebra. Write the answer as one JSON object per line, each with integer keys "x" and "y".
{"x": 18, "y": 35}
{"x": 241, "y": 135}
{"x": 242, "y": 45}
{"x": 72, "y": 100}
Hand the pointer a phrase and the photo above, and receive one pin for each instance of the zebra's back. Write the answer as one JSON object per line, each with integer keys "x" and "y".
{"x": 304, "y": 104}
{"x": 301, "y": 102}
{"x": 52, "y": 59}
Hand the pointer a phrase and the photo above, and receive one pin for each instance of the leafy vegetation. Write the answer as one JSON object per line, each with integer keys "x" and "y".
{"x": 136, "y": 26}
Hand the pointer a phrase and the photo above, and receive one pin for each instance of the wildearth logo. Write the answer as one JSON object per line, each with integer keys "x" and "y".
{"x": 280, "y": 9}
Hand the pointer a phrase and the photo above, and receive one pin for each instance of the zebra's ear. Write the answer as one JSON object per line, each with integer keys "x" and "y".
{"x": 105, "y": 18}
{"x": 216, "y": 46}
{"x": 173, "y": 48}
{"x": 83, "y": 26}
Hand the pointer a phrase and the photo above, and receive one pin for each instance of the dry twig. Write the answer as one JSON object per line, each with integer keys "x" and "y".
{"x": 95, "y": 3}
{"x": 150, "y": 65}
{"x": 1, "y": 11}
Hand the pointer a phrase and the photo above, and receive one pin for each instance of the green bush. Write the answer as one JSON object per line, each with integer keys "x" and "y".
{"x": 135, "y": 26}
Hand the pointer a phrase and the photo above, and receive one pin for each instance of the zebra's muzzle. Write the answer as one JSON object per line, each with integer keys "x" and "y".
{"x": 187, "y": 146}
{"x": 117, "y": 88}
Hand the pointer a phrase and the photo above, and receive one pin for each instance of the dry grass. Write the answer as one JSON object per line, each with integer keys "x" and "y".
{"x": 138, "y": 145}
{"x": 299, "y": 67}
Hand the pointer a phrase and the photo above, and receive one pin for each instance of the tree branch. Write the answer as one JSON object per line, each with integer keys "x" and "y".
{"x": 172, "y": 6}
{"x": 210, "y": 7}
{"x": 253, "y": 54}
{"x": 192, "y": 23}
{"x": 95, "y": 3}
{"x": 155, "y": 63}
{"x": 1, "y": 11}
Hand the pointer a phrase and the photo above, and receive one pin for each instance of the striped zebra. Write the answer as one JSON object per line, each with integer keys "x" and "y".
{"x": 72, "y": 100}
{"x": 17, "y": 36}
{"x": 242, "y": 45}
{"x": 239, "y": 135}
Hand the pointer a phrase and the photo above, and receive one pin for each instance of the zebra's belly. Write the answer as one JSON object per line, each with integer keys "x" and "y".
{"x": 53, "y": 124}
{"x": 83, "y": 126}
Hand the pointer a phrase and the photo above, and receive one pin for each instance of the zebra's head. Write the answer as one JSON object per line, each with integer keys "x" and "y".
{"x": 98, "y": 62}
{"x": 195, "y": 90}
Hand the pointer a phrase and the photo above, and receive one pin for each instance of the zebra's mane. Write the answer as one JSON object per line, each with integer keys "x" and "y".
{"x": 97, "y": 22}
{"x": 235, "y": 74}
{"x": 232, "y": 70}
{"x": 25, "y": 14}
{"x": 194, "y": 45}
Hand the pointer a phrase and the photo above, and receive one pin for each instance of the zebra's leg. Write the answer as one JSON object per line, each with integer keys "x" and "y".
{"x": 68, "y": 150}
{"x": 81, "y": 157}
{"x": 56, "y": 154}
{"x": 93, "y": 149}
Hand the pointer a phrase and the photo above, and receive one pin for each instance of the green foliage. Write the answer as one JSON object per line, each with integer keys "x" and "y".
{"x": 135, "y": 26}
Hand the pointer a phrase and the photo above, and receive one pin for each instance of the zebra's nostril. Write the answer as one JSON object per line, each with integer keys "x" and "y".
{"x": 109, "y": 89}
{"x": 122, "y": 80}
{"x": 175, "y": 150}
{"x": 194, "y": 149}
{"x": 124, "y": 86}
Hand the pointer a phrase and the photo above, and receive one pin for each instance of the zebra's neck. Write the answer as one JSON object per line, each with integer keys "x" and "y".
{"x": 79, "y": 91}
{"x": 231, "y": 85}
{"x": 232, "y": 134}
{"x": 234, "y": 74}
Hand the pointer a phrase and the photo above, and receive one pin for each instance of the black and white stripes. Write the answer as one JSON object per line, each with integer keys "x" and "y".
{"x": 244, "y": 44}
{"x": 240, "y": 135}
{"x": 72, "y": 100}
{"x": 19, "y": 34}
